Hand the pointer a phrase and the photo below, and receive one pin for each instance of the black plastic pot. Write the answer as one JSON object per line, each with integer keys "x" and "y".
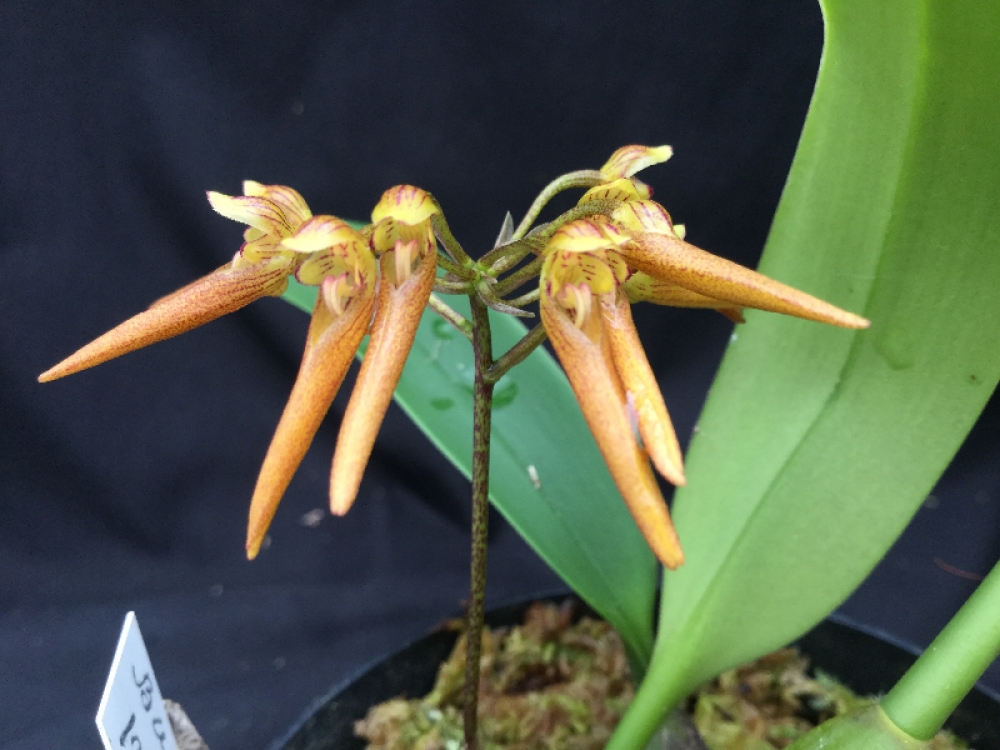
{"x": 863, "y": 662}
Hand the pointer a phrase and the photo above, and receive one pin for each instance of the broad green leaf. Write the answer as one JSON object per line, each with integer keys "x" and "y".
{"x": 817, "y": 445}
{"x": 546, "y": 475}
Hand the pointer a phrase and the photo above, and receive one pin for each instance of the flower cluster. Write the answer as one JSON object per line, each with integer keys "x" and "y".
{"x": 594, "y": 267}
{"x": 374, "y": 282}
{"x": 617, "y": 247}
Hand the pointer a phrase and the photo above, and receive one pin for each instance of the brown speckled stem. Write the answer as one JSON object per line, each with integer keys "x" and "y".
{"x": 482, "y": 415}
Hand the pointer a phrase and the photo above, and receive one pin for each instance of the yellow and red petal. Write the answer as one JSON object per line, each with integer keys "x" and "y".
{"x": 407, "y": 204}
{"x": 293, "y": 205}
{"x": 562, "y": 268}
{"x": 644, "y": 216}
{"x": 397, "y": 317}
{"x": 260, "y": 213}
{"x": 628, "y": 160}
{"x": 351, "y": 256}
{"x": 586, "y": 236}
{"x": 622, "y": 189}
{"x": 321, "y": 232}
{"x": 265, "y": 248}
{"x": 220, "y": 292}
{"x": 598, "y": 392}
{"x": 675, "y": 261}
{"x": 330, "y": 347}
{"x": 404, "y": 215}
{"x": 637, "y": 378}
{"x": 388, "y": 233}
{"x": 619, "y": 268}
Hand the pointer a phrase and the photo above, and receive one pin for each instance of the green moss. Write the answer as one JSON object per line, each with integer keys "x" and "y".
{"x": 551, "y": 684}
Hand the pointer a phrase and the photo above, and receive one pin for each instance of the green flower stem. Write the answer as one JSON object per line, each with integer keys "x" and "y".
{"x": 482, "y": 413}
{"x": 501, "y": 259}
{"x": 486, "y": 293}
{"x": 585, "y": 178}
{"x": 525, "y": 299}
{"x": 519, "y": 277}
{"x": 449, "y": 286}
{"x": 444, "y": 310}
{"x": 443, "y": 232}
{"x": 926, "y": 695}
{"x": 590, "y": 208}
{"x": 466, "y": 274}
{"x": 516, "y": 354}
{"x": 506, "y": 257}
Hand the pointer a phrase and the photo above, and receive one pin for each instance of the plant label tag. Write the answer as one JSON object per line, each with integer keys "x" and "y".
{"x": 131, "y": 715}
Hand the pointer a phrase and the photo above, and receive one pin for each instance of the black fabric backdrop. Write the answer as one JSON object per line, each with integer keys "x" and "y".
{"x": 126, "y": 487}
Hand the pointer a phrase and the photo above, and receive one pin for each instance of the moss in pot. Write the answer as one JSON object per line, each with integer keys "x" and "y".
{"x": 778, "y": 699}
{"x": 794, "y": 486}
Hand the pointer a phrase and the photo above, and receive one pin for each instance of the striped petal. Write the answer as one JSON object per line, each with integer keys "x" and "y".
{"x": 407, "y": 204}
{"x": 288, "y": 199}
{"x": 637, "y": 377}
{"x": 265, "y": 247}
{"x": 618, "y": 190}
{"x": 321, "y": 232}
{"x": 628, "y": 160}
{"x": 397, "y": 316}
{"x": 644, "y": 216}
{"x": 677, "y": 262}
{"x": 585, "y": 236}
{"x": 600, "y": 396}
{"x": 345, "y": 252}
{"x": 260, "y": 213}
{"x": 390, "y": 232}
{"x": 220, "y": 292}
{"x": 330, "y": 347}
{"x": 403, "y": 214}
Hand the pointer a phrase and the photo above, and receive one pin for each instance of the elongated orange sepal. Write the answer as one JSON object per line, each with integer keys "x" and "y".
{"x": 220, "y": 292}
{"x": 637, "y": 377}
{"x": 397, "y": 317}
{"x": 330, "y": 347}
{"x": 678, "y": 262}
{"x": 601, "y": 403}
{"x": 641, "y": 287}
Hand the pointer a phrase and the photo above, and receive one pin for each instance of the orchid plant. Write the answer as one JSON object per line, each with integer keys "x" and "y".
{"x": 786, "y": 499}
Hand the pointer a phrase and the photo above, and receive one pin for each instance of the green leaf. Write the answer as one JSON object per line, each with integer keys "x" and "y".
{"x": 817, "y": 445}
{"x": 547, "y": 477}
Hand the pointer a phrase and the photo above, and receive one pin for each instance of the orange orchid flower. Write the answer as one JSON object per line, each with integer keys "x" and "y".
{"x": 403, "y": 238}
{"x": 669, "y": 271}
{"x": 674, "y": 270}
{"x": 260, "y": 268}
{"x": 640, "y": 213}
{"x": 588, "y": 321}
{"x": 648, "y": 216}
{"x": 593, "y": 269}
{"x": 343, "y": 266}
{"x": 359, "y": 293}
{"x": 380, "y": 281}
